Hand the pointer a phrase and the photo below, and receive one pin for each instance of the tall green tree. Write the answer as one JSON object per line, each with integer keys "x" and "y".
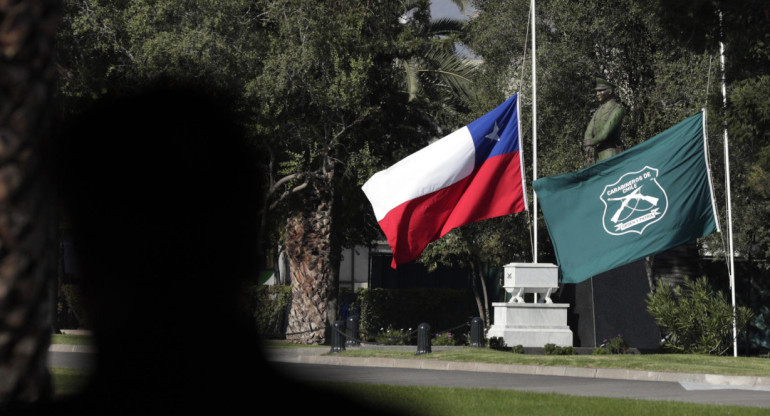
{"x": 659, "y": 82}
{"x": 112, "y": 46}
{"x": 347, "y": 88}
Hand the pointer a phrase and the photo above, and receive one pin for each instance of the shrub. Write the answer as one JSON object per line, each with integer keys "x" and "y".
{"x": 448, "y": 338}
{"x": 497, "y": 343}
{"x": 694, "y": 318}
{"x": 615, "y": 345}
{"x": 519, "y": 349}
{"x": 553, "y": 349}
{"x": 73, "y": 306}
{"x": 392, "y": 336}
{"x": 402, "y": 308}
{"x": 268, "y": 306}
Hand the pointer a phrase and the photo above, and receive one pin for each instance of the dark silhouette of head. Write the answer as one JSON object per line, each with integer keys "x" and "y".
{"x": 161, "y": 191}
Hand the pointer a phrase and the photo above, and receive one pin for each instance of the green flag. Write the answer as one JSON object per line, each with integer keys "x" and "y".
{"x": 652, "y": 197}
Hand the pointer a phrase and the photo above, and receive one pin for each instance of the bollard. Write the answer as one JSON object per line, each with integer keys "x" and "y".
{"x": 338, "y": 330}
{"x": 477, "y": 332}
{"x": 423, "y": 339}
{"x": 352, "y": 331}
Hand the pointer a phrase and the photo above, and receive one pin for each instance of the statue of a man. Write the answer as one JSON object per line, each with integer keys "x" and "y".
{"x": 602, "y": 138}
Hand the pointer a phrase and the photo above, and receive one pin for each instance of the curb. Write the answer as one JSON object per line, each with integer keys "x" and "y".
{"x": 72, "y": 348}
{"x": 598, "y": 373}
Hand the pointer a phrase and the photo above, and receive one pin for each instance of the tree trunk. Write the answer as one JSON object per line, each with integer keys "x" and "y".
{"x": 308, "y": 247}
{"x": 335, "y": 256}
{"x": 486, "y": 297}
{"x": 480, "y": 298}
{"x": 27, "y": 248}
{"x": 649, "y": 261}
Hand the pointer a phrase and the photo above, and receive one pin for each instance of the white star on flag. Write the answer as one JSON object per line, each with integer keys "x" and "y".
{"x": 493, "y": 135}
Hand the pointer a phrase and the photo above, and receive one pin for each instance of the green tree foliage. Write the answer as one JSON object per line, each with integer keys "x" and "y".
{"x": 481, "y": 246}
{"x": 695, "y": 318}
{"x": 267, "y": 305}
{"x": 338, "y": 74}
{"x": 106, "y": 46}
{"x": 353, "y": 86}
{"x": 664, "y": 57}
{"x": 743, "y": 26}
{"x": 659, "y": 82}
{"x": 748, "y": 123}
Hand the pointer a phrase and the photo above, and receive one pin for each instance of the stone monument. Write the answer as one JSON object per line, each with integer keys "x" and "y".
{"x": 535, "y": 323}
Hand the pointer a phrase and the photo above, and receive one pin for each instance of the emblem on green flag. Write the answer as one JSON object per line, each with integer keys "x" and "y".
{"x": 634, "y": 202}
{"x": 650, "y": 198}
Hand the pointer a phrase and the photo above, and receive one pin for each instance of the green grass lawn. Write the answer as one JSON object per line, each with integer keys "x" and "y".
{"x": 446, "y": 401}
{"x": 71, "y": 339}
{"x": 681, "y": 363}
{"x": 68, "y": 381}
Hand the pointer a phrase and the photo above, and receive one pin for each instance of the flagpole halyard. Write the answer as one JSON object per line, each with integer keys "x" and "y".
{"x": 534, "y": 127}
{"x": 521, "y": 151}
{"x": 708, "y": 169}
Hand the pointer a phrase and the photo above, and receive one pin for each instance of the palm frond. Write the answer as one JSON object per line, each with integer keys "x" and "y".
{"x": 451, "y": 70}
{"x": 443, "y": 26}
{"x": 411, "y": 80}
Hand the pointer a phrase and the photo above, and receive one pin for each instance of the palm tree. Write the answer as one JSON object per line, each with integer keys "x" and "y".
{"x": 26, "y": 241}
{"x": 432, "y": 72}
{"x": 435, "y": 70}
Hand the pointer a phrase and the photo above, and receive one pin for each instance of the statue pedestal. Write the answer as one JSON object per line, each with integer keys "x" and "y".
{"x": 531, "y": 324}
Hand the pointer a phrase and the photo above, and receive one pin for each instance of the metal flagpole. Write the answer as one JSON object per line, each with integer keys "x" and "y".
{"x": 534, "y": 125}
{"x": 727, "y": 187}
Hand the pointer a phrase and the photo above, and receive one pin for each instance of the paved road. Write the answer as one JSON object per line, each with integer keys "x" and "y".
{"x": 578, "y": 386}
{"x": 70, "y": 360}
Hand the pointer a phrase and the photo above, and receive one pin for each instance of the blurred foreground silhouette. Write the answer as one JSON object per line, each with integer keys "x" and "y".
{"x": 162, "y": 193}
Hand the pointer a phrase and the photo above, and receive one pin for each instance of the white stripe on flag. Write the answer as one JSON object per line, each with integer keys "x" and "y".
{"x": 440, "y": 164}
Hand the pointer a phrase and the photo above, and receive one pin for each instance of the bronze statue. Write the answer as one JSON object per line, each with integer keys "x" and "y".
{"x": 602, "y": 137}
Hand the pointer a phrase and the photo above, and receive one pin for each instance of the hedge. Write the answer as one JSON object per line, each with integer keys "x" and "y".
{"x": 442, "y": 309}
{"x": 268, "y": 306}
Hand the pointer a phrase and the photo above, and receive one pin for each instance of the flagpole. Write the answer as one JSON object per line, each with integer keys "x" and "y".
{"x": 727, "y": 187}
{"x": 534, "y": 127}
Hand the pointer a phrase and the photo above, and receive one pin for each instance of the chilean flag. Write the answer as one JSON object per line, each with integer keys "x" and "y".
{"x": 470, "y": 175}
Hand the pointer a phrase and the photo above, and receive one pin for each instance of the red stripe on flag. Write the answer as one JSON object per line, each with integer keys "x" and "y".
{"x": 495, "y": 189}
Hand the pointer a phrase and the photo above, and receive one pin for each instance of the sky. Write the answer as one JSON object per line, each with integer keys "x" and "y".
{"x": 445, "y": 8}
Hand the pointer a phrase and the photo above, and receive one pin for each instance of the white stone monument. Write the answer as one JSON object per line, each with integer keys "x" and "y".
{"x": 532, "y": 324}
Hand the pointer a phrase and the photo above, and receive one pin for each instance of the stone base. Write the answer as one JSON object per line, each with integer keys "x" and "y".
{"x": 531, "y": 324}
